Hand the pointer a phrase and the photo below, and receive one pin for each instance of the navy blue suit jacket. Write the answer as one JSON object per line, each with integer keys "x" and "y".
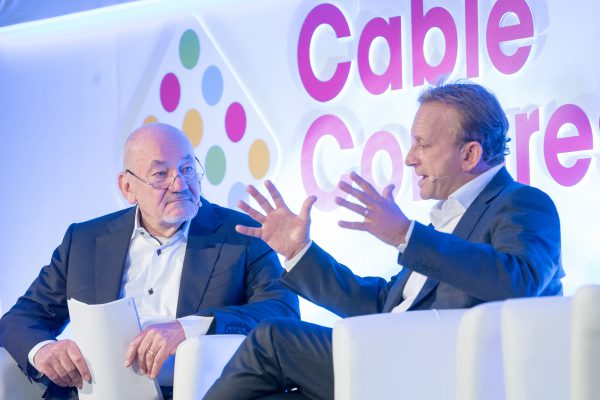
{"x": 225, "y": 274}
{"x": 507, "y": 244}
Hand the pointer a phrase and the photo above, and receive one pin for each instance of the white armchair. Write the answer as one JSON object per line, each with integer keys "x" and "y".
{"x": 536, "y": 337}
{"x": 436, "y": 354}
{"x": 551, "y": 346}
{"x": 384, "y": 356}
{"x": 14, "y": 385}
{"x": 479, "y": 364}
{"x": 198, "y": 363}
{"x": 585, "y": 344}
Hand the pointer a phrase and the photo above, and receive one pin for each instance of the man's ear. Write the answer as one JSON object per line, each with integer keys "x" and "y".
{"x": 471, "y": 155}
{"x": 126, "y": 188}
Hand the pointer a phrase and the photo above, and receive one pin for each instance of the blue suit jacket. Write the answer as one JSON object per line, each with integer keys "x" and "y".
{"x": 507, "y": 244}
{"x": 225, "y": 274}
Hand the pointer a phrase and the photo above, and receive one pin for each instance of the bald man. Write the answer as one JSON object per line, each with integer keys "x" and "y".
{"x": 177, "y": 255}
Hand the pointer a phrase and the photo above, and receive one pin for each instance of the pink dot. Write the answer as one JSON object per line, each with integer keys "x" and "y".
{"x": 235, "y": 122}
{"x": 170, "y": 92}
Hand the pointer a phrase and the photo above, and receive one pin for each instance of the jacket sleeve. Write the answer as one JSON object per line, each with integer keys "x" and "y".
{"x": 514, "y": 250}
{"x": 264, "y": 297}
{"x": 319, "y": 278}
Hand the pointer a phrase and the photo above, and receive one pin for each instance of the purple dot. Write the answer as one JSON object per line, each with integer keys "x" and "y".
{"x": 170, "y": 92}
{"x": 235, "y": 122}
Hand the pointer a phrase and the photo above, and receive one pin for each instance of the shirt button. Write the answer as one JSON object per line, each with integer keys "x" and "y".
{"x": 150, "y": 291}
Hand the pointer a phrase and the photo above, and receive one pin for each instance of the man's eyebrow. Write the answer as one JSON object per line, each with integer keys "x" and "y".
{"x": 156, "y": 163}
{"x": 189, "y": 157}
{"x": 159, "y": 163}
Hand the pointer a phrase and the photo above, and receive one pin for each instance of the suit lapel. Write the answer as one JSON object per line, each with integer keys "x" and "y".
{"x": 202, "y": 251}
{"x": 476, "y": 210}
{"x": 395, "y": 295}
{"x": 469, "y": 220}
{"x": 111, "y": 253}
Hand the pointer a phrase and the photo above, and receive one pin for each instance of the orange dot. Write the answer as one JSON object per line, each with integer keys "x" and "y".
{"x": 192, "y": 126}
{"x": 258, "y": 159}
{"x": 150, "y": 119}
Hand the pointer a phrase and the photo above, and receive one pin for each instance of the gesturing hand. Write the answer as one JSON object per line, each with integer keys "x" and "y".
{"x": 153, "y": 346}
{"x": 63, "y": 363}
{"x": 382, "y": 217}
{"x": 284, "y": 231}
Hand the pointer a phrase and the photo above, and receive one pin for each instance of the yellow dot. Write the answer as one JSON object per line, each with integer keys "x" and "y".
{"x": 150, "y": 119}
{"x": 192, "y": 126}
{"x": 258, "y": 159}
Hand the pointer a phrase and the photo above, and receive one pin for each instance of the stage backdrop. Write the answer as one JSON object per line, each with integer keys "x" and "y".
{"x": 299, "y": 92}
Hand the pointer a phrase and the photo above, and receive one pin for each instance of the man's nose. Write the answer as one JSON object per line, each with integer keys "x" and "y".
{"x": 178, "y": 185}
{"x": 410, "y": 160}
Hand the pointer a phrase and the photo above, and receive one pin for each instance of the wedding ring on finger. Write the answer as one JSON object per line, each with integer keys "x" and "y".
{"x": 150, "y": 354}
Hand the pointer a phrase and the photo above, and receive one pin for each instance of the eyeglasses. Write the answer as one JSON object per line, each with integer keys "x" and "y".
{"x": 160, "y": 180}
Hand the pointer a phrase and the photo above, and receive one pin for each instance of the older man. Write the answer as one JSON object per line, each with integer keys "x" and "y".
{"x": 492, "y": 238}
{"x": 175, "y": 253}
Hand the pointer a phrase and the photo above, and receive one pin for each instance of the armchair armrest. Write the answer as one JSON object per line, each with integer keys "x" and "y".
{"x": 536, "y": 334}
{"x": 14, "y": 385}
{"x": 585, "y": 344}
{"x": 479, "y": 364}
{"x": 384, "y": 355}
{"x": 199, "y": 361}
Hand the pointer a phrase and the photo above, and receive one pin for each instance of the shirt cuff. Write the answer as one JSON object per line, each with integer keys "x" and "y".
{"x": 291, "y": 263}
{"x": 402, "y": 246}
{"x": 34, "y": 350}
{"x": 195, "y": 325}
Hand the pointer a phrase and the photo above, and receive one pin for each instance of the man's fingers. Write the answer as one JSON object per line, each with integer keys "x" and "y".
{"x": 364, "y": 185}
{"x": 258, "y": 217}
{"x": 145, "y": 354}
{"x": 356, "y": 193}
{"x": 159, "y": 360}
{"x": 59, "y": 376}
{"x": 132, "y": 350}
{"x": 388, "y": 192}
{"x": 275, "y": 195}
{"x": 350, "y": 206}
{"x": 260, "y": 199}
{"x": 63, "y": 363}
{"x": 79, "y": 362}
{"x": 357, "y": 226}
{"x": 249, "y": 231}
{"x": 71, "y": 374}
{"x": 307, "y": 206}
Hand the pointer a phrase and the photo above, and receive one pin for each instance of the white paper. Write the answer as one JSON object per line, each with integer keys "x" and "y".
{"x": 103, "y": 333}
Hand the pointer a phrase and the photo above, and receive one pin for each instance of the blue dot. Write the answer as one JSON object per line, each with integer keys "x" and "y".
{"x": 212, "y": 85}
{"x": 237, "y": 192}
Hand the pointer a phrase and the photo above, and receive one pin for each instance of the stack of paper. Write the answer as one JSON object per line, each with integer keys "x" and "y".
{"x": 103, "y": 333}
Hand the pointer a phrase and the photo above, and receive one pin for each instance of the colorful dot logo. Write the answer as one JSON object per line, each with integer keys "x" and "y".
{"x": 198, "y": 93}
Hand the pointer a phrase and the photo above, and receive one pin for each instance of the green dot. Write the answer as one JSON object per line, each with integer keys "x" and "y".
{"x": 215, "y": 165}
{"x": 189, "y": 49}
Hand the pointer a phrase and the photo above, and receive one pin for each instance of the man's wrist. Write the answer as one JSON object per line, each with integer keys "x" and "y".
{"x": 402, "y": 246}
{"x": 290, "y": 263}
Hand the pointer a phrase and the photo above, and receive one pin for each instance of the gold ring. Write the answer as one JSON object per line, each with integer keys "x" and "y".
{"x": 150, "y": 354}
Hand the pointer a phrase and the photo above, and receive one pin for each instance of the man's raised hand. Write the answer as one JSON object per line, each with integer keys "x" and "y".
{"x": 284, "y": 231}
{"x": 382, "y": 216}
